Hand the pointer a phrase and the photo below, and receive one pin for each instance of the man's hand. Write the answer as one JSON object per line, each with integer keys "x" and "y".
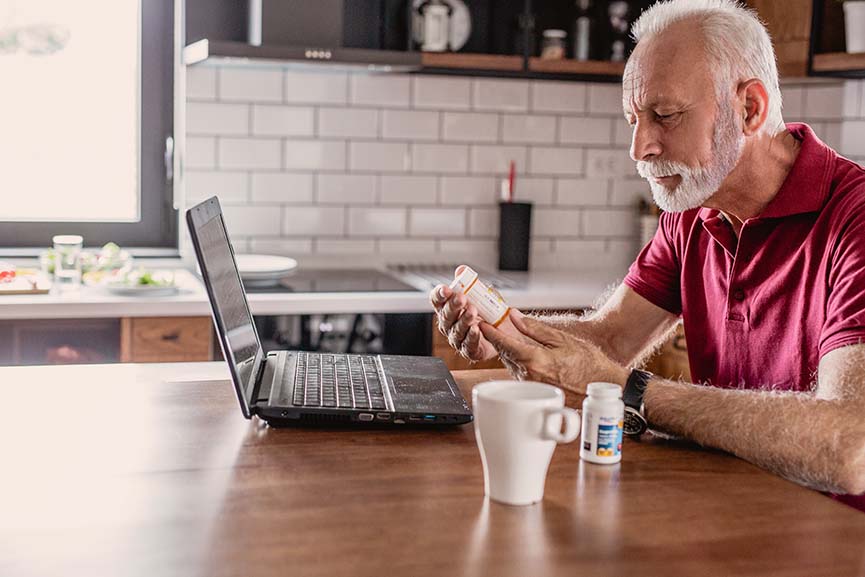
{"x": 548, "y": 355}
{"x": 458, "y": 321}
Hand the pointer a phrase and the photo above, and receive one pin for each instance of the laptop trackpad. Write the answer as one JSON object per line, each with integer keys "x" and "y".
{"x": 425, "y": 394}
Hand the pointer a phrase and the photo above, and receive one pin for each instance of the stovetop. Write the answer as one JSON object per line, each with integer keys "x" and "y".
{"x": 325, "y": 280}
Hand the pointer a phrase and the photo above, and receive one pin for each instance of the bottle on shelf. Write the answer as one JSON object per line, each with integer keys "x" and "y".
{"x": 583, "y": 30}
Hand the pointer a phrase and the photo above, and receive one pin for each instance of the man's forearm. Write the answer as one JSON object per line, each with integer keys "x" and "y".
{"x": 815, "y": 442}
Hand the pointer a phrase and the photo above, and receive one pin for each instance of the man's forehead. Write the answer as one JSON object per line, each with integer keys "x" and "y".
{"x": 643, "y": 88}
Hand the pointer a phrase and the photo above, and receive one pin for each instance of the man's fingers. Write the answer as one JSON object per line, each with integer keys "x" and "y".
{"x": 439, "y": 296}
{"x": 537, "y": 330}
{"x": 517, "y": 350}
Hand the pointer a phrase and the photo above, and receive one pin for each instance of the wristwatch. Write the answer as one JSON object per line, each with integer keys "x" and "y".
{"x": 635, "y": 412}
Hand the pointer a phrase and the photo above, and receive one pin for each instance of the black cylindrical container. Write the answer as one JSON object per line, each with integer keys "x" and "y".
{"x": 515, "y": 227}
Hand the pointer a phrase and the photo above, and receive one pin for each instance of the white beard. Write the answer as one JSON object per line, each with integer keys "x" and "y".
{"x": 697, "y": 184}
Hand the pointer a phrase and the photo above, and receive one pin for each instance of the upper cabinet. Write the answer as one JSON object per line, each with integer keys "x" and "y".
{"x": 560, "y": 39}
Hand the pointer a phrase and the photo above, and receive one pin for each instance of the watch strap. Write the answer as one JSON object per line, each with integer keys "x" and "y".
{"x": 635, "y": 387}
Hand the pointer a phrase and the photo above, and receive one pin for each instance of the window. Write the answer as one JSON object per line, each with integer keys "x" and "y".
{"x": 87, "y": 108}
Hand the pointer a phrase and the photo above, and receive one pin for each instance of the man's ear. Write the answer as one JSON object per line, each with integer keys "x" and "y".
{"x": 754, "y": 104}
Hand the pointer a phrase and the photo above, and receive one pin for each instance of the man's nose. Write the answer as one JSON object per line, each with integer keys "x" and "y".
{"x": 645, "y": 144}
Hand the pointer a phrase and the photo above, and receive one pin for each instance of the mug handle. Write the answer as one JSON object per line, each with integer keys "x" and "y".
{"x": 572, "y": 425}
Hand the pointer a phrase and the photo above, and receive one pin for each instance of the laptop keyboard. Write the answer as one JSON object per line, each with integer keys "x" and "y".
{"x": 337, "y": 381}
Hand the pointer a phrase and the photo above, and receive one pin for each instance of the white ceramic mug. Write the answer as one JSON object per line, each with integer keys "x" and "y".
{"x": 517, "y": 426}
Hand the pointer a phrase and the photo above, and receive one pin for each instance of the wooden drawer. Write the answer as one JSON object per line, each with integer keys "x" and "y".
{"x": 166, "y": 339}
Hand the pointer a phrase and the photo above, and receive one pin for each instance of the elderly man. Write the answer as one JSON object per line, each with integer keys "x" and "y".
{"x": 760, "y": 253}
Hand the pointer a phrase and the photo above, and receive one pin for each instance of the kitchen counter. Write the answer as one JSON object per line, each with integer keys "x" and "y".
{"x": 535, "y": 290}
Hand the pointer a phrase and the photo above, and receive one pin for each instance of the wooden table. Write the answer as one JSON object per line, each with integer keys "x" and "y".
{"x": 151, "y": 470}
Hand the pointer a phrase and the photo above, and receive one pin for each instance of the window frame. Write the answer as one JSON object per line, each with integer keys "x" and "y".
{"x": 156, "y": 233}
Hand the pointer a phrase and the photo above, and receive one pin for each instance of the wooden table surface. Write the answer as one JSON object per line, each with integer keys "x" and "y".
{"x": 151, "y": 470}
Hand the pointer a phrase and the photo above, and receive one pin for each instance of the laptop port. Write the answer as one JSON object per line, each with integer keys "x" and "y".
{"x": 429, "y": 418}
{"x": 365, "y": 417}
{"x": 415, "y": 418}
{"x": 382, "y": 416}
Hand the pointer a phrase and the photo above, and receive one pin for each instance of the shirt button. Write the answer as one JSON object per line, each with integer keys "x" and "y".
{"x": 739, "y": 295}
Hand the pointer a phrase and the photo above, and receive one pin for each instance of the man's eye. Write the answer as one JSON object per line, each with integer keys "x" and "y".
{"x": 663, "y": 117}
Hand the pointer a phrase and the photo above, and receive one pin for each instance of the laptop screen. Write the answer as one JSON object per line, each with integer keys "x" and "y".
{"x": 228, "y": 301}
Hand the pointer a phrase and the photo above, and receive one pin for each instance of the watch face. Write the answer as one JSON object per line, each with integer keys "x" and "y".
{"x": 634, "y": 423}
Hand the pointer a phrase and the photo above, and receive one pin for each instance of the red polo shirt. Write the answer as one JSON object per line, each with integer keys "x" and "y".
{"x": 760, "y": 311}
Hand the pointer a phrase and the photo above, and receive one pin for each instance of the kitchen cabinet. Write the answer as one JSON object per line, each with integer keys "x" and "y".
{"x": 166, "y": 339}
{"x": 106, "y": 340}
{"x": 829, "y": 56}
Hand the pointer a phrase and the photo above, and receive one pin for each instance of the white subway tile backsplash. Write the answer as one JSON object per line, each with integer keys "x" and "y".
{"x": 470, "y": 127}
{"x": 489, "y": 159}
{"x": 380, "y": 90}
{"x": 853, "y": 138}
{"x": 440, "y": 158}
{"x": 217, "y": 119}
{"x": 609, "y": 223}
{"x": 348, "y": 122}
{"x": 502, "y": 95}
{"x": 605, "y": 99}
{"x": 282, "y": 187}
{"x": 200, "y": 83}
{"x": 251, "y": 153}
{"x": 609, "y": 163}
{"x": 269, "y": 120}
{"x": 408, "y": 189}
{"x": 437, "y": 222}
{"x": 377, "y": 221}
{"x": 228, "y": 186}
{"x": 483, "y": 222}
{"x": 280, "y": 246}
{"x": 346, "y": 188}
{"x": 556, "y": 161}
{"x": 861, "y": 97}
{"x": 623, "y": 133}
{"x": 409, "y": 167}
{"x": 441, "y": 93}
{"x": 413, "y": 249}
{"x": 536, "y": 190}
{"x": 823, "y": 102}
{"x": 252, "y": 221}
{"x": 313, "y": 221}
{"x": 577, "y": 130}
{"x": 379, "y": 156}
{"x": 851, "y": 96}
{"x": 315, "y": 155}
{"x": 558, "y": 96}
{"x": 830, "y": 133}
{"x": 792, "y": 103}
{"x": 457, "y": 190}
{"x": 250, "y": 84}
{"x": 628, "y": 192}
{"x": 521, "y": 128}
{"x": 200, "y": 152}
{"x": 319, "y": 87}
{"x": 556, "y": 222}
{"x": 410, "y": 125}
{"x": 582, "y": 191}
{"x": 340, "y": 247}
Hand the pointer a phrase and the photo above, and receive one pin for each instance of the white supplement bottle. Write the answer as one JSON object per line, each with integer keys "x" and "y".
{"x": 603, "y": 416}
{"x": 490, "y": 304}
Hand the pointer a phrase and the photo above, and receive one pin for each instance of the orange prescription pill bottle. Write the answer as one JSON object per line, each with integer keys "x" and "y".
{"x": 489, "y": 302}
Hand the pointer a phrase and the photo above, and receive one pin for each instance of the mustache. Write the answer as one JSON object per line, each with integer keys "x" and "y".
{"x": 661, "y": 168}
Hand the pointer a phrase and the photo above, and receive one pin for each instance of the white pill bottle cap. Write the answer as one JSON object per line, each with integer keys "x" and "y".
{"x": 465, "y": 279}
{"x": 604, "y": 391}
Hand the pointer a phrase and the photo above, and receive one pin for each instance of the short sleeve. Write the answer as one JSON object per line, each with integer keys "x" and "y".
{"x": 655, "y": 275}
{"x": 845, "y": 306}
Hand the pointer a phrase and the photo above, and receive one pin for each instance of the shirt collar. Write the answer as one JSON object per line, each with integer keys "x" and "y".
{"x": 806, "y": 187}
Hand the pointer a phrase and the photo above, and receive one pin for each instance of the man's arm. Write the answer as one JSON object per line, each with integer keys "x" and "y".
{"x": 626, "y": 327}
{"x": 815, "y": 439}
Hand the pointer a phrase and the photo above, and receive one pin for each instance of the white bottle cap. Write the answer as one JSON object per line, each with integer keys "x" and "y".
{"x": 464, "y": 280}
{"x": 604, "y": 390}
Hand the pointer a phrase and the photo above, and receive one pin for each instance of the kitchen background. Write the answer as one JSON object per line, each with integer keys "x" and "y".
{"x": 397, "y": 168}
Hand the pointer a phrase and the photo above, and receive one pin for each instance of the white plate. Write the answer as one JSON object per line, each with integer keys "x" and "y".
{"x": 263, "y": 267}
{"x": 141, "y": 290}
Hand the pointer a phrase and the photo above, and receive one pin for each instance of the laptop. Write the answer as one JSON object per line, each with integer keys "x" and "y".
{"x": 309, "y": 388}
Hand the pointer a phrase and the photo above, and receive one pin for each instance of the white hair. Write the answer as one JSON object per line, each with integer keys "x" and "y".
{"x": 736, "y": 40}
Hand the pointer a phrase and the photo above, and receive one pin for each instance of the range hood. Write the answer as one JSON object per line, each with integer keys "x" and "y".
{"x": 337, "y": 34}
{"x": 351, "y": 59}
